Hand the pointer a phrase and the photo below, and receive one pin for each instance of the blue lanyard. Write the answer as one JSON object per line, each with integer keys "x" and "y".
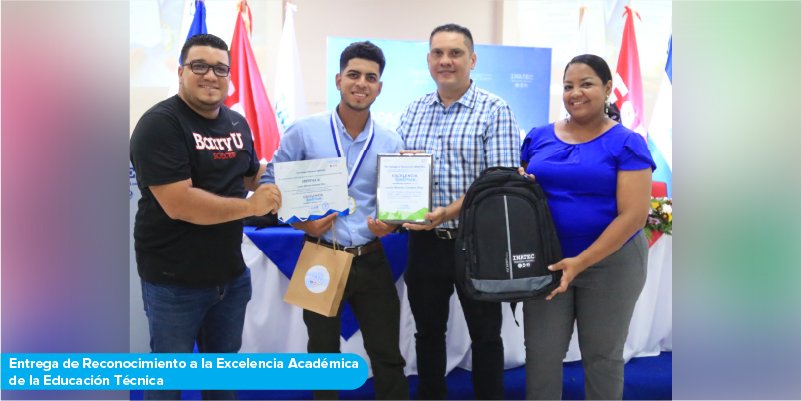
{"x": 362, "y": 154}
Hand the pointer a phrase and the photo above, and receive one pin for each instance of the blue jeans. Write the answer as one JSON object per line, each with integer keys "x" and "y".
{"x": 179, "y": 316}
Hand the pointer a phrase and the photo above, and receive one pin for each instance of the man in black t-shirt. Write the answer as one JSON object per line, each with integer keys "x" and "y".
{"x": 195, "y": 161}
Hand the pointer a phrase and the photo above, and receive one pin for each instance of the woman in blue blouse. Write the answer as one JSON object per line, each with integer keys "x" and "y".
{"x": 597, "y": 177}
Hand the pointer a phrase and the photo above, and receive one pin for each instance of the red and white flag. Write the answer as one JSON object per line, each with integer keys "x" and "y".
{"x": 628, "y": 80}
{"x": 246, "y": 93}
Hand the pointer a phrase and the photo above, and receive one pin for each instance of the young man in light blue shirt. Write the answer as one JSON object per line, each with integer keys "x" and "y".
{"x": 370, "y": 289}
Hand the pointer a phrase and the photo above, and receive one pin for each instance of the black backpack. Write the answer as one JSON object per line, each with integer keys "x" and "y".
{"x": 506, "y": 239}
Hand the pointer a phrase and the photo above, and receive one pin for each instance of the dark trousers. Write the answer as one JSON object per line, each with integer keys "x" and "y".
{"x": 372, "y": 294}
{"x": 430, "y": 281}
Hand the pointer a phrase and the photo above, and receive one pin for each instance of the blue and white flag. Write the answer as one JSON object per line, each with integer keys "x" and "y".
{"x": 198, "y": 24}
{"x": 196, "y": 10}
{"x": 660, "y": 131}
{"x": 290, "y": 102}
{"x": 198, "y": 21}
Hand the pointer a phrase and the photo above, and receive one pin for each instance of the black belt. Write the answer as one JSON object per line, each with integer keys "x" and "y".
{"x": 370, "y": 247}
{"x": 445, "y": 233}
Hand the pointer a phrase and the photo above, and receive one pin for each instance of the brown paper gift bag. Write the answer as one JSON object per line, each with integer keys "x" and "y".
{"x": 319, "y": 279}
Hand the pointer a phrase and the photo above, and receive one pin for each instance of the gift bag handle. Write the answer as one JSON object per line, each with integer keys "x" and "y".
{"x": 333, "y": 236}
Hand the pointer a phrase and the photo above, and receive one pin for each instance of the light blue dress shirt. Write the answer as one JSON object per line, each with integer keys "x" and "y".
{"x": 311, "y": 138}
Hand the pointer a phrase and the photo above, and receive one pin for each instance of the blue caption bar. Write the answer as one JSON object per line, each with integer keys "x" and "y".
{"x": 182, "y": 371}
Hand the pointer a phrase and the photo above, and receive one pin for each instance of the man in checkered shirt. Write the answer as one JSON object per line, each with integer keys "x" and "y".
{"x": 466, "y": 129}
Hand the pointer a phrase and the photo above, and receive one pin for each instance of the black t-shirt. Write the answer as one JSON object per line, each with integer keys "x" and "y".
{"x": 172, "y": 143}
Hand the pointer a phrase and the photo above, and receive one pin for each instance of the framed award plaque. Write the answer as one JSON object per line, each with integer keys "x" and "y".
{"x": 404, "y": 188}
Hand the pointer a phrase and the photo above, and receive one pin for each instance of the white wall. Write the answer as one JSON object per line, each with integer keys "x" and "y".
{"x": 382, "y": 19}
{"x": 156, "y": 40}
{"x": 157, "y": 35}
{"x": 158, "y": 30}
{"x": 554, "y": 24}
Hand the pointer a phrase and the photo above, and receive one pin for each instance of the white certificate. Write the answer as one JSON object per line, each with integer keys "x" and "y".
{"x": 311, "y": 189}
{"x": 404, "y": 188}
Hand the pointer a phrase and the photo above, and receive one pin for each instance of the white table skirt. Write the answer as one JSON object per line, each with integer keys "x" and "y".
{"x": 274, "y": 326}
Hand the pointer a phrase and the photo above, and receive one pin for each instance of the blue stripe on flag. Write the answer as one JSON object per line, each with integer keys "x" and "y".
{"x": 662, "y": 172}
{"x": 198, "y": 22}
{"x": 669, "y": 64}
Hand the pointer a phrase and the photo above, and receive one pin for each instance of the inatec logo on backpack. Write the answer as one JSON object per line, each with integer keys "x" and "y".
{"x": 524, "y": 260}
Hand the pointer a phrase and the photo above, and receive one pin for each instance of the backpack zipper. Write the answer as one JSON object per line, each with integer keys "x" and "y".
{"x": 508, "y": 240}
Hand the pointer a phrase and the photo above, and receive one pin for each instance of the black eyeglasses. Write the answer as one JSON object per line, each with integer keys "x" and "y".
{"x": 220, "y": 70}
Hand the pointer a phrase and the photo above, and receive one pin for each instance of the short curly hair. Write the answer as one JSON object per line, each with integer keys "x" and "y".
{"x": 366, "y": 50}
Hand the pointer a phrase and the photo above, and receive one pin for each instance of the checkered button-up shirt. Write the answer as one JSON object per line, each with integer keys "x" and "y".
{"x": 475, "y": 132}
